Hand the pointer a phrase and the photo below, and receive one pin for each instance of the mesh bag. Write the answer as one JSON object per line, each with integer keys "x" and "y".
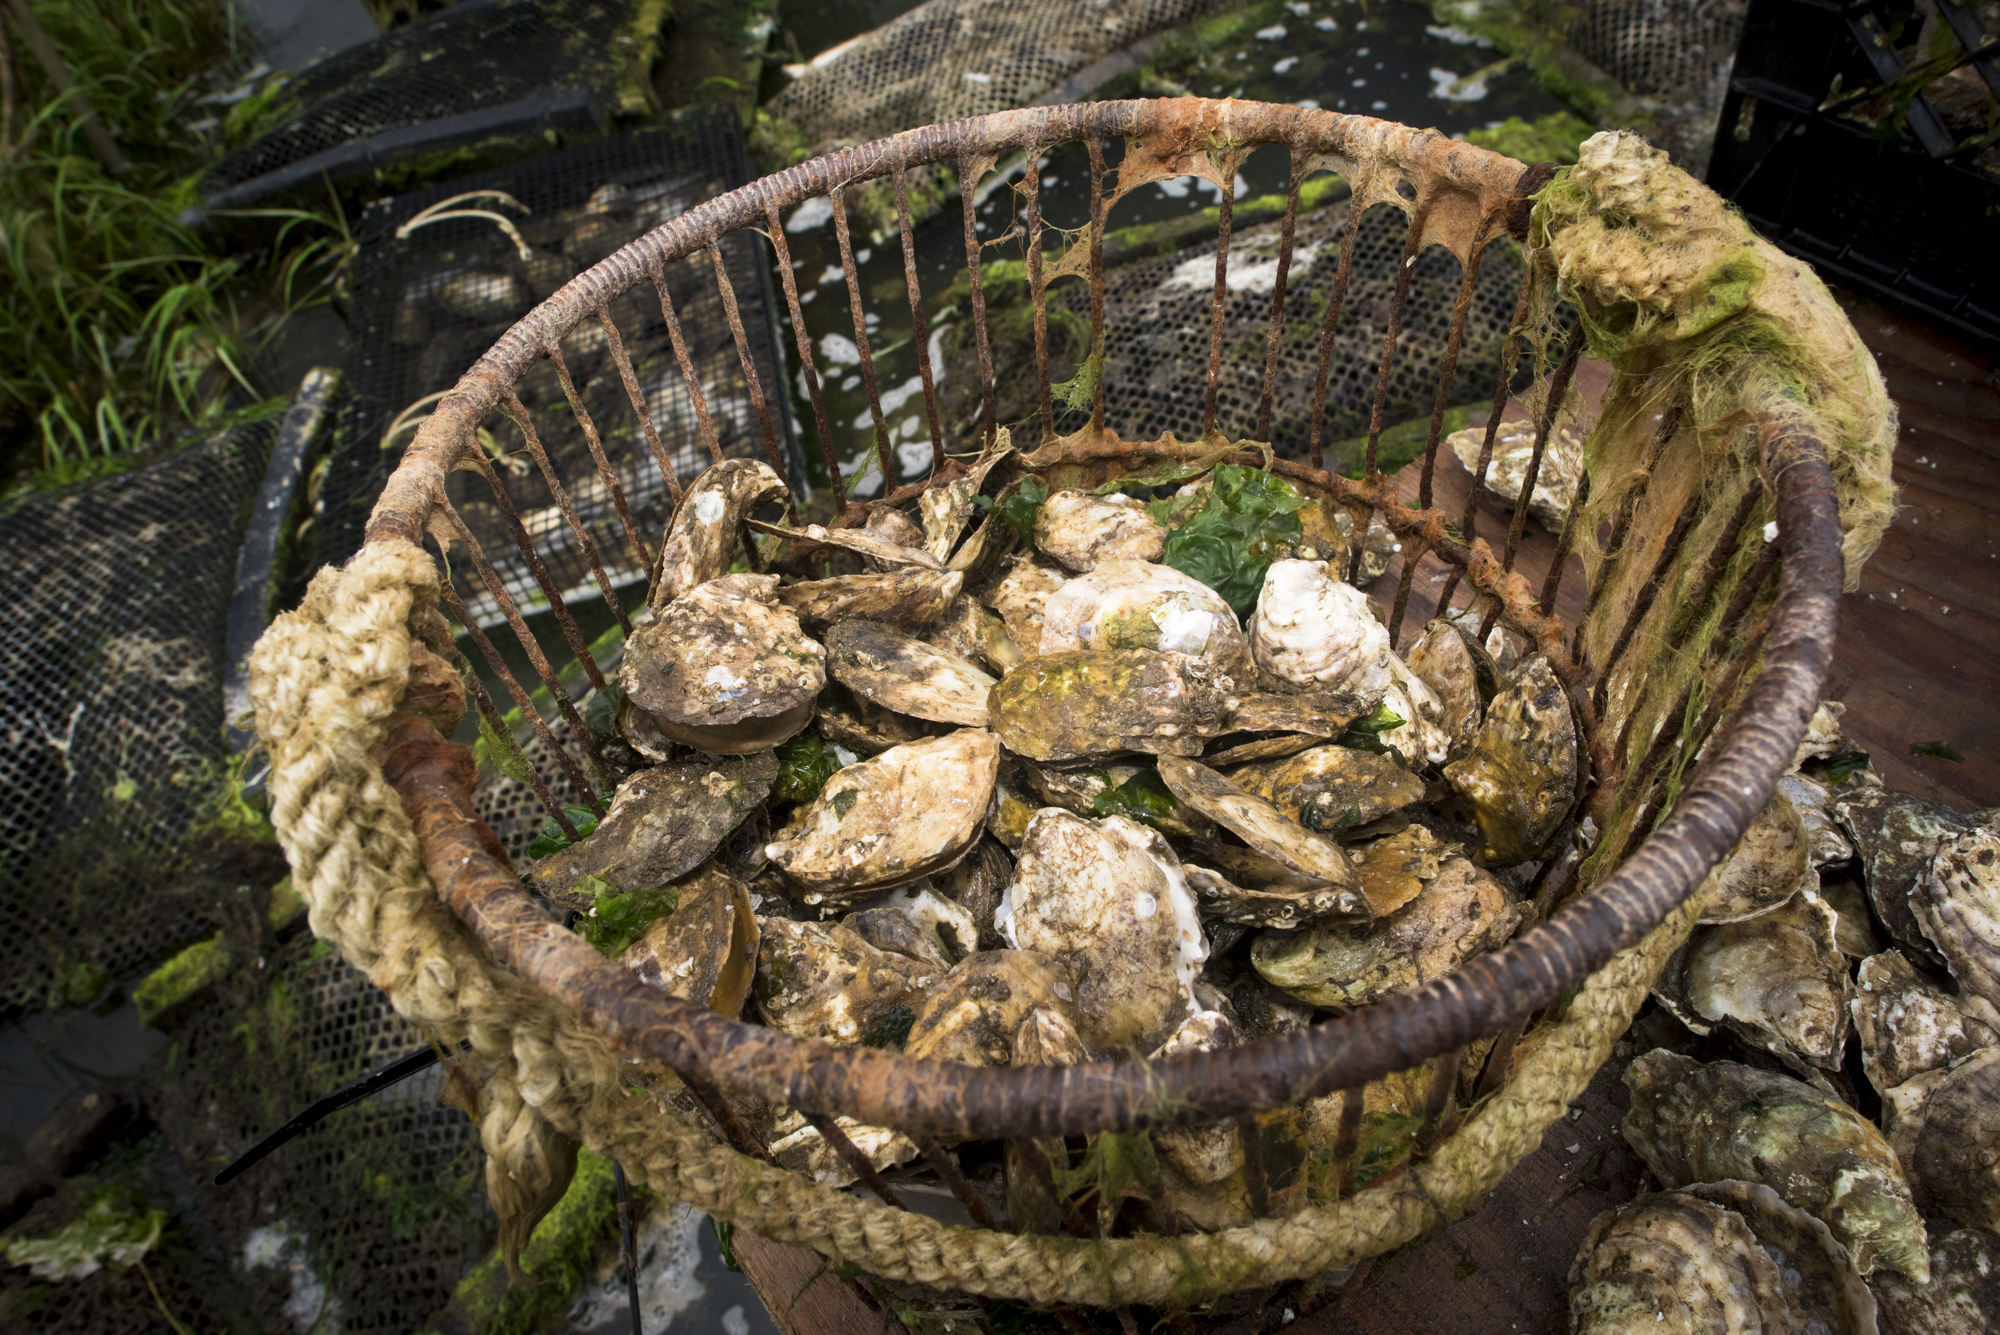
{"x": 1745, "y": 400}
{"x": 950, "y": 58}
{"x": 111, "y": 690}
{"x": 430, "y": 298}
{"x": 476, "y": 70}
{"x": 1676, "y": 56}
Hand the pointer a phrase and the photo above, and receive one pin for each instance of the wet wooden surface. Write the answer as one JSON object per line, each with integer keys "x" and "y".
{"x": 1918, "y": 660}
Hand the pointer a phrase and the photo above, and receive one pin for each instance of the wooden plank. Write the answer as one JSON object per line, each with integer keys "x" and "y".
{"x": 804, "y": 1297}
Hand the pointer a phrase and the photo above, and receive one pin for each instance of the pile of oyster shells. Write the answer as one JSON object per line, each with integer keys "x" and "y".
{"x": 1081, "y": 811}
{"x": 1843, "y": 1173}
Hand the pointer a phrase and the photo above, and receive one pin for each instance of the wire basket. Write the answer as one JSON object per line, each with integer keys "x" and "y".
{"x": 1739, "y": 456}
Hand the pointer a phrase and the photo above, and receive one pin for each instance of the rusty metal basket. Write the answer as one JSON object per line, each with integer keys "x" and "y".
{"x": 376, "y": 808}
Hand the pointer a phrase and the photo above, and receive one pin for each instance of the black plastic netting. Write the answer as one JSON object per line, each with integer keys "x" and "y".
{"x": 111, "y": 702}
{"x": 1158, "y": 314}
{"x": 481, "y": 67}
{"x": 428, "y": 303}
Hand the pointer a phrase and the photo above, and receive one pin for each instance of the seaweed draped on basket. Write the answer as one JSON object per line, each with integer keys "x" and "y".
{"x": 1742, "y": 453}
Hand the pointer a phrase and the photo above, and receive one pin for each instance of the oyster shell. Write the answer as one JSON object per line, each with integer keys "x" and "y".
{"x": 663, "y": 823}
{"x": 900, "y": 672}
{"x": 892, "y": 525}
{"x": 1855, "y": 928}
{"x": 883, "y": 552}
{"x": 975, "y": 883}
{"x": 1897, "y": 837}
{"x": 724, "y": 668}
{"x": 1958, "y": 905}
{"x": 919, "y": 922}
{"x": 1702, "y": 1123}
{"x": 1313, "y": 633}
{"x": 912, "y": 595}
{"x": 1076, "y": 705}
{"x": 1270, "y": 832}
{"x": 1422, "y": 739}
{"x": 1723, "y": 1256}
{"x": 707, "y": 524}
{"x": 1778, "y": 979}
{"x": 1083, "y": 531}
{"x": 1945, "y": 1128}
{"x": 799, "y": 1146}
{"x": 976, "y": 634}
{"x": 1020, "y": 597}
{"x": 974, "y": 1013}
{"x": 1462, "y": 912}
{"x": 1962, "y": 1298}
{"x": 1908, "y": 1025}
{"x": 1444, "y": 659}
{"x": 1823, "y": 735}
{"x": 947, "y": 508}
{"x": 1014, "y": 805}
{"x": 1513, "y": 450}
{"x": 1078, "y": 790}
{"x": 1333, "y": 788}
{"x": 1521, "y": 774}
{"x": 826, "y": 980}
{"x": 1108, "y": 899}
{"x": 911, "y": 811}
{"x": 1125, "y": 604}
{"x": 1826, "y": 841}
{"x": 705, "y": 951}
{"x": 1765, "y": 868}
{"x": 862, "y": 726}
{"x": 1201, "y": 1156}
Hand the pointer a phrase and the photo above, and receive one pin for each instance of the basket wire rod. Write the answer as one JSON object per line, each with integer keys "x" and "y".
{"x": 498, "y": 666}
{"x": 1040, "y": 1176}
{"x": 1437, "y": 1098}
{"x": 604, "y": 468}
{"x": 852, "y": 273}
{"x": 1558, "y": 390}
{"x": 753, "y": 380}
{"x": 1727, "y": 630}
{"x": 1347, "y": 1140}
{"x": 489, "y": 716}
{"x": 1038, "y": 299}
{"x": 518, "y": 411}
{"x": 1397, "y": 303}
{"x": 1413, "y": 556}
{"x": 1642, "y": 603}
{"x": 968, "y": 183}
{"x": 723, "y": 1114}
{"x": 1461, "y": 315}
{"x": 628, "y": 1249}
{"x": 704, "y": 420}
{"x": 1500, "y": 1057}
{"x": 1287, "y": 227}
{"x": 1621, "y": 525}
{"x": 1097, "y": 206}
{"x": 533, "y": 648}
{"x": 1510, "y": 357}
{"x": 1349, "y": 238}
{"x": 920, "y": 326}
{"x": 1218, "y": 306}
{"x": 1564, "y": 545}
{"x": 1695, "y": 593}
{"x": 946, "y": 1167}
{"x": 1250, "y": 1135}
{"x": 857, "y": 1162}
{"x": 803, "y": 340}
{"x": 616, "y": 342}
{"x": 516, "y": 530}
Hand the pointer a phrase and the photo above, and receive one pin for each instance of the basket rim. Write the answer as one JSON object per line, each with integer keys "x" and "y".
{"x": 926, "y": 1097}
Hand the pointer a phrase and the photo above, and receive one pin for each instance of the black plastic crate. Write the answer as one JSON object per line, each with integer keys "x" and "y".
{"x": 1836, "y": 148}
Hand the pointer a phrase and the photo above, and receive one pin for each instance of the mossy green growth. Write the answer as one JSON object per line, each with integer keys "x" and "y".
{"x": 287, "y": 905}
{"x": 1536, "y": 31}
{"x": 114, "y": 1228}
{"x": 565, "y": 1247}
{"x": 181, "y": 979}
{"x": 1397, "y": 445}
{"x": 1553, "y": 138}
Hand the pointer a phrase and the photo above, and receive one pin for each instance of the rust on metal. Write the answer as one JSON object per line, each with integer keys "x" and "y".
{"x": 969, "y": 172}
{"x": 1218, "y": 307}
{"x": 752, "y": 381}
{"x": 920, "y": 325}
{"x": 626, "y": 376}
{"x": 1461, "y": 315}
{"x": 1411, "y": 248}
{"x": 605, "y": 471}
{"x": 1274, "y": 334}
{"x": 803, "y": 341}
{"x": 511, "y": 520}
{"x": 518, "y": 412}
{"x": 703, "y": 419}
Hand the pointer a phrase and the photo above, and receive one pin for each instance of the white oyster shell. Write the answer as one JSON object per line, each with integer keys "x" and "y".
{"x": 1765, "y": 868}
{"x": 1958, "y": 906}
{"x": 1909, "y": 1025}
{"x": 1108, "y": 897}
{"x": 1125, "y": 604}
{"x": 1081, "y": 530}
{"x": 1826, "y": 840}
{"x": 1779, "y": 979}
{"x": 1424, "y": 740}
{"x": 1513, "y": 451}
{"x": 1311, "y": 632}
{"x": 1945, "y": 1128}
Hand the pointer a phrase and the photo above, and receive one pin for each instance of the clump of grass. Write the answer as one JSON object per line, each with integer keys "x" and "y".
{"x": 124, "y": 323}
